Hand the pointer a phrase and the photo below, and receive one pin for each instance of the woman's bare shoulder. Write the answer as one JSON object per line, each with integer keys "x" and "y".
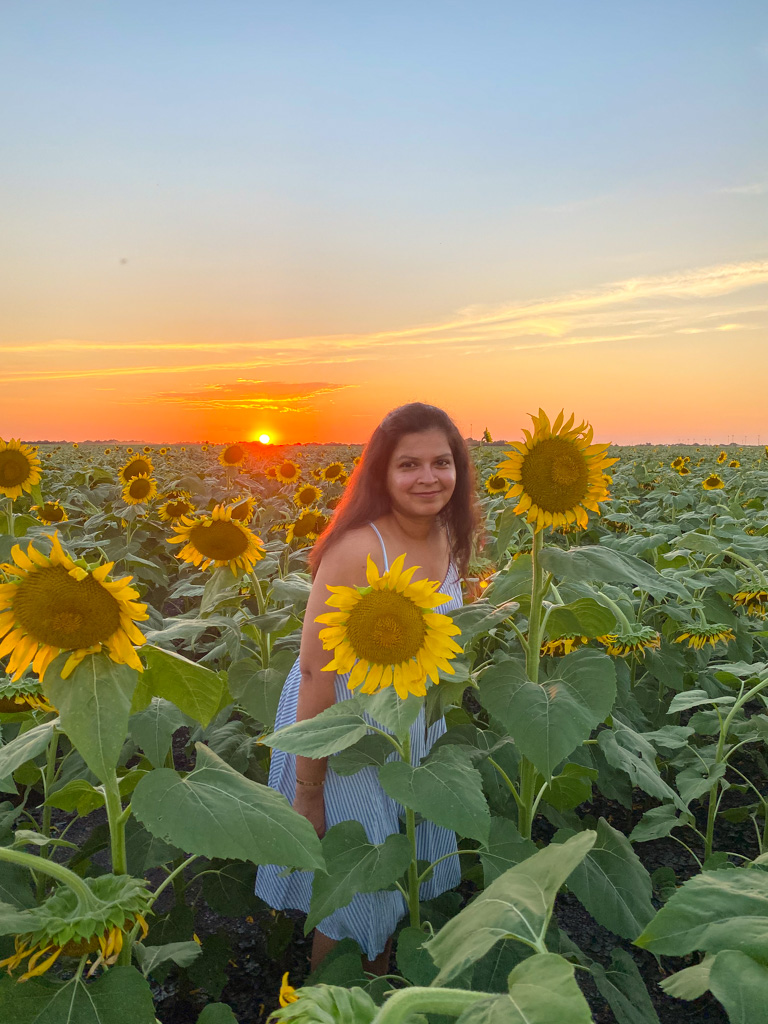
{"x": 344, "y": 562}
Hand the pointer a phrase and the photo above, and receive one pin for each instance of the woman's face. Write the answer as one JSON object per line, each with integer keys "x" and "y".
{"x": 422, "y": 474}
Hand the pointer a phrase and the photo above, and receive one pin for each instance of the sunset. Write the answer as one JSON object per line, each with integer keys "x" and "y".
{"x": 231, "y": 220}
{"x": 384, "y": 512}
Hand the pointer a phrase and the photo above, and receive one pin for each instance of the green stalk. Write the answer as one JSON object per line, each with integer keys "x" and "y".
{"x": 48, "y": 777}
{"x": 53, "y": 870}
{"x": 401, "y": 1005}
{"x": 413, "y": 867}
{"x": 116, "y": 826}
{"x": 264, "y": 638}
{"x": 612, "y": 606}
{"x": 527, "y": 771}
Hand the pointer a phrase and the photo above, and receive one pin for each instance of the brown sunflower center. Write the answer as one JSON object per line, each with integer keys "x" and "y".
{"x": 177, "y": 509}
{"x": 288, "y": 470}
{"x": 140, "y": 487}
{"x": 386, "y": 628}
{"x": 53, "y": 513}
{"x": 136, "y": 467}
{"x": 15, "y": 467}
{"x": 78, "y": 949}
{"x": 58, "y": 610}
{"x": 242, "y": 511}
{"x": 555, "y": 474}
{"x": 233, "y": 454}
{"x": 221, "y": 539}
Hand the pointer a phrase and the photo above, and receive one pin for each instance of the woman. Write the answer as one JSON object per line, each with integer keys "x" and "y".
{"x": 413, "y": 491}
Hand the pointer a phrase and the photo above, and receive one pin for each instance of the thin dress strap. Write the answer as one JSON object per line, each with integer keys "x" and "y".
{"x": 383, "y": 549}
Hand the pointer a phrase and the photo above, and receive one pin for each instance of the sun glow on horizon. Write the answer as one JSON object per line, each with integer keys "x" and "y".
{"x": 264, "y": 438}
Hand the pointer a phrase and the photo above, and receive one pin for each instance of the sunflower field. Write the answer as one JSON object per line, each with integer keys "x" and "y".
{"x": 604, "y": 766}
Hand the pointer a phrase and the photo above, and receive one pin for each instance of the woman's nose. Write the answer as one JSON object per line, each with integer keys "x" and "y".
{"x": 427, "y": 474}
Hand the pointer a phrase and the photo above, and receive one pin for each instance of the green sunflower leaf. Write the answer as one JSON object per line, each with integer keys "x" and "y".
{"x": 215, "y": 811}
{"x": 334, "y": 729}
{"x": 22, "y": 749}
{"x": 193, "y": 688}
{"x": 119, "y": 995}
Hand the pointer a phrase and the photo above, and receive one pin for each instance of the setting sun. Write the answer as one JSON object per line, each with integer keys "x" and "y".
{"x": 264, "y": 438}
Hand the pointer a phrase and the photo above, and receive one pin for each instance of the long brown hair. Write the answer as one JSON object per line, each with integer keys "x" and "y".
{"x": 366, "y": 496}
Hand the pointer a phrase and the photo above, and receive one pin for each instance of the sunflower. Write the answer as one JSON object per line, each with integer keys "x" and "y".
{"x": 26, "y": 695}
{"x": 635, "y": 641}
{"x": 140, "y": 466}
{"x": 243, "y": 508}
{"x": 722, "y": 457}
{"x": 75, "y": 444}
{"x": 556, "y": 473}
{"x": 307, "y": 495}
{"x": 139, "y": 489}
{"x": 387, "y": 634}
{"x": 617, "y": 526}
{"x": 63, "y": 926}
{"x": 57, "y": 606}
{"x": 332, "y": 471}
{"x": 713, "y": 482}
{"x": 683, "y": 471}
{"x": 176, "y": 506}
{"x": 333, "y": 502}
{"x": 287, "y": 992}
{"x": 203, "y": 447}
{"x": 129, "y": 451}
{"x": 563, "y": 645}
{"x": 163, "y": 451}
{"x": 147, "y": 449}
{"x": 754, "y": 601}
{"x": 677, "y": 463}
{"x": 310, "y": 524}
{"x": 734, "y": 464}
{"x": 218, "y": 540}
{"x": 698, "y": 636}
{"x": 19, "y": 468}
{"x": 50, "y": 512}
{"x": 271, "y": 472}
{"x": 234, "y": 455}
{"x": 287, "y": 472}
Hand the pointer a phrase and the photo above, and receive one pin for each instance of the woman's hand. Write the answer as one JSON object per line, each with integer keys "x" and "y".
{"x": 310, "y": 802}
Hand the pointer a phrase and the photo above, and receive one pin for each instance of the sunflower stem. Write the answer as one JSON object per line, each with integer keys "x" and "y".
{"x": 413, "y": 867}
{"x": 48, "y": 777}
{"x": 620, "y": 616}
{"x": 116, "y": 826}
{"x": 403, "y": 1004}
{"x": 264, "y": 639}
{"x": 53, "y": 870}
{"x": 528, "y": 772}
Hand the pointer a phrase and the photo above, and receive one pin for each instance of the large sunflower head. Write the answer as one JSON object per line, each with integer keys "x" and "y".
{"x": 386, "y": 634}
{"x": 557, "y": 474}
{"x": 308, "y": 525}
{"x": 19, "y": 468}
{"x": 139, "y": 489}
{"x": 139, "y": 466}
{"x": 713, "y": 482}
{"x": 287, "y": 472}
{"x": 218, "y": 540}
{"x": 307, "y": 495}
{"x": 50, "y": 512}
{"x": 233, "y": 455}
{"x": 55, "y": 606}
{"x": 65, "y": 926}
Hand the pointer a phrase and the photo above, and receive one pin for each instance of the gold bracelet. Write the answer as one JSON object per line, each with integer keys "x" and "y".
{"x": 303, "y": 782}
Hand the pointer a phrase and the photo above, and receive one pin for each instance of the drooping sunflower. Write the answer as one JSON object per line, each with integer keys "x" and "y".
{"x": 62, "y": 926}
{"x": 755, "y": 602}
{"x": 699, "y": 635}
{"x": 243, "y": 508}
{"x": 617, "y": 525}
{"x": 19, "y": 468}
{"x": 175, "y": 507}
{"x": 56, "y": 606}
{"x": 722, "y": 457}
{"x": 307, "y": 495}
{"x": 308, "y": 525}
{"x": 386, "y": 634}
{"x": 287, "y": 472}
{"x": 713, "y": 482}
{"x": 218, "y": 540}
{"x": 563, "y": 645}
{"x": 26, "y": 695}
{"x": 556, "y": 473}
{"x": 139, "y": 489}
{"x": 635, "y": 641}
{"x": 233, "y": 455}
{"x": 50, "y": 512}
{"x": 332, "y": 471}
{"x": 140, "y": 466}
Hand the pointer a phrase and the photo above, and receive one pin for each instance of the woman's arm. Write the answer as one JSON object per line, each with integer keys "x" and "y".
{"x": 342, "y": 565}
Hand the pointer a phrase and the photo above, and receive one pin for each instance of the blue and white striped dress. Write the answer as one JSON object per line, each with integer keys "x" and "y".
{"x": 370, "y": 918}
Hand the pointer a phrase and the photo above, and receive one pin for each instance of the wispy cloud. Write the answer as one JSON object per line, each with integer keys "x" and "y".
{"x": 633, "y": 309}
{"x": 261, "y": 395}
{"x": 757, "y": 188}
